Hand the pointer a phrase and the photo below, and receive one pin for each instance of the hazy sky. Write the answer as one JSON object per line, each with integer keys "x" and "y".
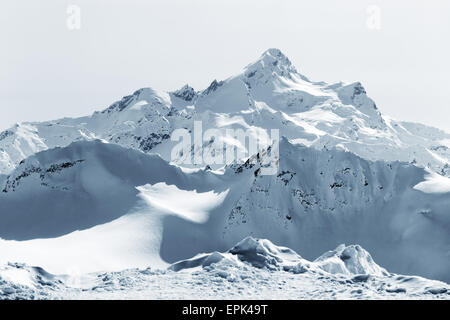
{"x": 48, "y": 71}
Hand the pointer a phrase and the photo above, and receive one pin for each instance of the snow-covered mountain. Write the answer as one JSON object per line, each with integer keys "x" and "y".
{"x": 104, "y": 193}
{"x": 269, "y": 93}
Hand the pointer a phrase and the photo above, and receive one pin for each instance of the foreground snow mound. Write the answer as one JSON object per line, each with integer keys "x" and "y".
{"x": 201, "y": 260}
{"x": 349, "y": 260}
{"x": 263, "y": 254}
{"x": 259, "y": 253}
{"x": 19, "y": 281}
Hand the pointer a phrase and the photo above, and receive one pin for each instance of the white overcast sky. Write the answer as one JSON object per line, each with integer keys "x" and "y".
{"x": 48, "y": 71}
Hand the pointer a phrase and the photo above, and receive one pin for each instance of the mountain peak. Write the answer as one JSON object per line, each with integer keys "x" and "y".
{"x": 186, "y": 93}
{"x": 271, "y": 61}
{"x": 275, "y": 53}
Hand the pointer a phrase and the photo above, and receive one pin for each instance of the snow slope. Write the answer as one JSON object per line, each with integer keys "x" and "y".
{"x": 119, "y": 208}
{"x": 269, "y": 93}
{"x": 83, "y": 207}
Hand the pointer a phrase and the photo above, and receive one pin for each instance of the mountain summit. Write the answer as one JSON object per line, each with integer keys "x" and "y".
{"x": 271, "y": 61}
{"x": 269, "y": 93}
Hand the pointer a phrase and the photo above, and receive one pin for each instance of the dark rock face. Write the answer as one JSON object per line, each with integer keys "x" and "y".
{"x": 186, "y": 93}
{"x": 213, "y": 86}
{"x": 148, "y": 143}
{"x": 13, "y": 182}
{"x": 5, "y": 134}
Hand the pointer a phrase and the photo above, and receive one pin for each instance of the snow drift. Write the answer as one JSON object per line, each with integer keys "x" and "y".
{"x": 261, "y": 253}
{"x": 254, "y": 268}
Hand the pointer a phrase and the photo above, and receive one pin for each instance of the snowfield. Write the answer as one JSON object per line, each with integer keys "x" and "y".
{"x": 97, "y": 207}
{"x": 253, "y": 269}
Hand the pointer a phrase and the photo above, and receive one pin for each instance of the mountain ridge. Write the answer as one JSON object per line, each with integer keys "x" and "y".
{"x": 269, "y": 93}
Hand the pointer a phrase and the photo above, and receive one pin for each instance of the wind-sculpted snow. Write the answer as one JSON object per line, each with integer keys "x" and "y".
{"x": 260, "y": 253}
{"x": 91, "y": 206}
{"x": 269, "y": 93}
{"x": 263, "y": 254}
{"x": 66, "y": 189}
{"x": 254, "y": 268}
{"x": 349, "y": 260}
